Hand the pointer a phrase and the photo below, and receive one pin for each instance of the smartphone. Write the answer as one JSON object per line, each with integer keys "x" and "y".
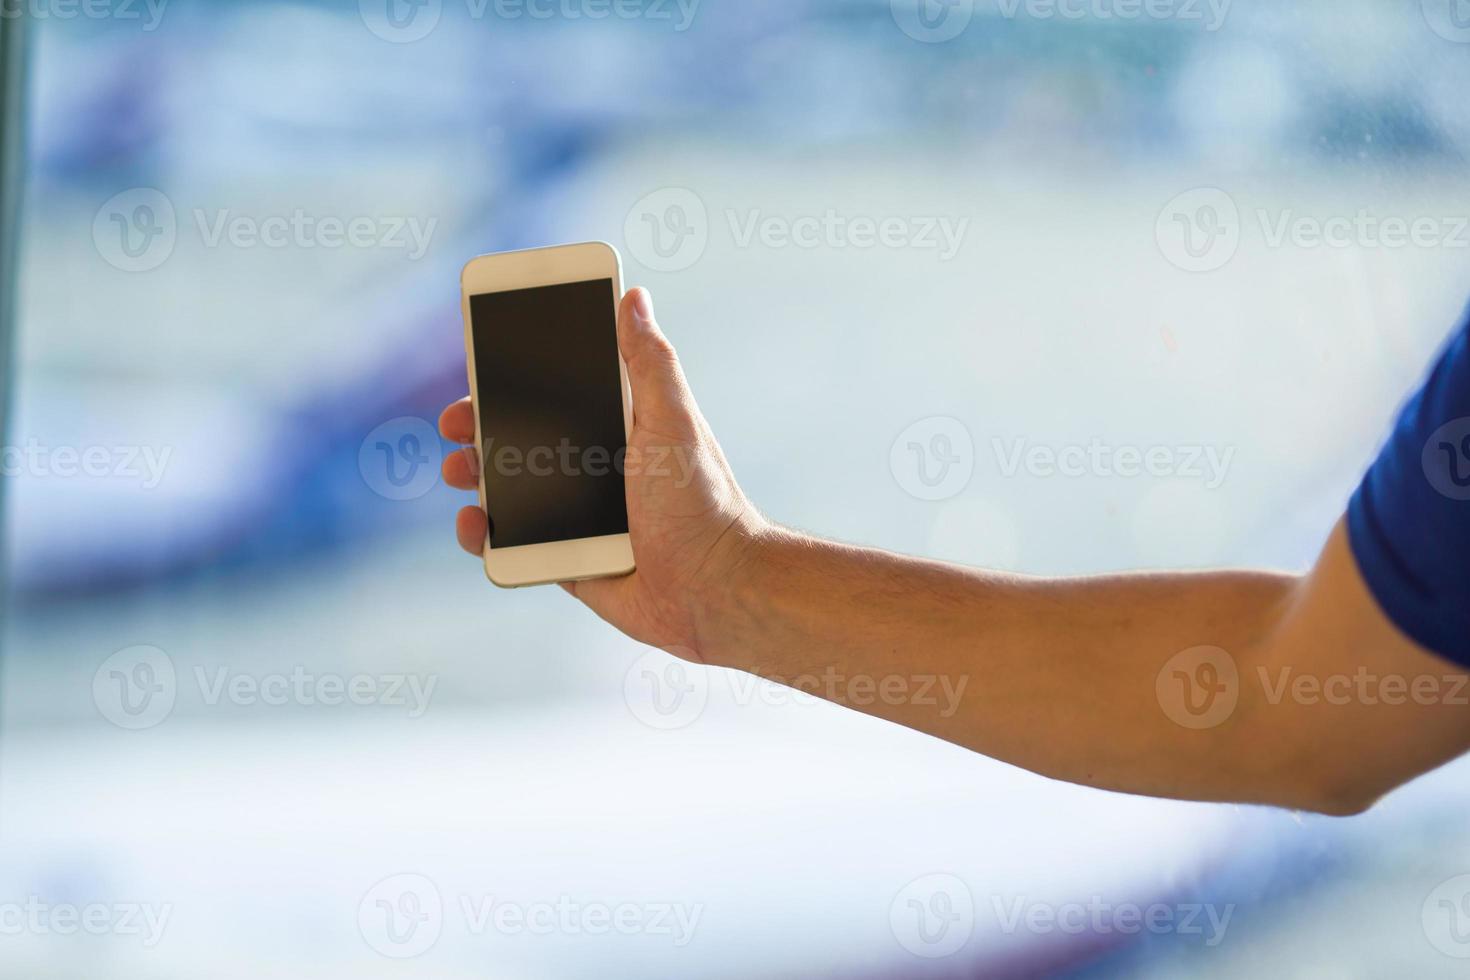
{"x": 552, "y": 411}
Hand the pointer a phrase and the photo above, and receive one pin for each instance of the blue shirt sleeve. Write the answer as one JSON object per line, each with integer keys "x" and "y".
{"x": 1409, "y": 520}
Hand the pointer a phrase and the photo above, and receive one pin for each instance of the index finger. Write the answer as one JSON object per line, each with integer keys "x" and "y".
{"x": 457, "y": 422}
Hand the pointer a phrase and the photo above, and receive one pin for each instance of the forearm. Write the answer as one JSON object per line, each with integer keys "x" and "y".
{"x": 1055, "y": 675}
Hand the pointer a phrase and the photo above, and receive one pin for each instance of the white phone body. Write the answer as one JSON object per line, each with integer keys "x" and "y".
{"x": 552, "y": 561}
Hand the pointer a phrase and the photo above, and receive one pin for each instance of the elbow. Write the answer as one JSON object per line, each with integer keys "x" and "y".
{"x": 1317, "y": 778}
{"x": 1342, "y": 804}
{"x": 1334, "y": 794}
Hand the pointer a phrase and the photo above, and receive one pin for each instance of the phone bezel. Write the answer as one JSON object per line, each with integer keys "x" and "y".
{"x": 552, "y": 561}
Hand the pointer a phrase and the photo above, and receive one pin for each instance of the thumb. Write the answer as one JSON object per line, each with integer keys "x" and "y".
{"x": 661, "y": 397}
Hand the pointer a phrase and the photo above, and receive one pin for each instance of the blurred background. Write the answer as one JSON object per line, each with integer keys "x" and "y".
{"x": 260, "y": 715}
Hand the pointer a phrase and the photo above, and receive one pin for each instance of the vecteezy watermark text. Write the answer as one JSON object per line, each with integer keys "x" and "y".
{"x": 1201, "y": 230}
{"x": 567, "y": 916}
{"x": 138, "y": 229}
{"x": 1208, "y": 464}
{"x": 567, "y": 459}
{"x": 150, "y": 12}
{"x": 406, "y": 21}
{"x": 667, "y": 692}
{"x": 936, "y": 21}
{"x": 1100, "y": 918}
{"x": 934, "y": 459}
{"x": 1201, "y": 687}
{"x": 302, "y": 229}
{"x": 37, "y": 917}
{"x": 137, "y": 688}
{"x": 1362, "y": 686}
{"x": 308, "y": 688}
{"x": 935, "y": 916}
{"x": 1210, "y": 14}
{"x": 669, "y": 229}
{"x": 831, "y": 229}
{"x": 404, "y": 915}
{"x": 142, "y": 464}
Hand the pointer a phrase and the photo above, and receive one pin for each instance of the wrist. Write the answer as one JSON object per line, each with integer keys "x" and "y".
{"x": 726, "y": 609}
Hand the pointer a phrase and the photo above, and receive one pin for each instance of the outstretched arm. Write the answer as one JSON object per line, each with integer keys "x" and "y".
{"x": 1231, "y": 685}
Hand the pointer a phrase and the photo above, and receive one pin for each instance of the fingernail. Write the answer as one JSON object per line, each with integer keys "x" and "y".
{"x": 643, "y": 305}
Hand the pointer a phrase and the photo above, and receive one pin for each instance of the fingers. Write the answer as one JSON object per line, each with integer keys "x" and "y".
{"x": 457, "y": 422}
{"x": 661, "y": 398}
{"x": 461, "y": 469}
{"x": 470, "y": 527}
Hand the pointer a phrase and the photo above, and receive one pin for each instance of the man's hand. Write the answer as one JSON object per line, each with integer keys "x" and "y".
{"x": 689, "y": 521}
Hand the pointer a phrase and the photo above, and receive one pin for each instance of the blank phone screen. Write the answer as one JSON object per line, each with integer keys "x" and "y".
{"x": 551, "y": 412}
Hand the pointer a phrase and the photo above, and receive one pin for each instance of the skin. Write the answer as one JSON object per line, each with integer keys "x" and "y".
{"x": 1080, "y": 679}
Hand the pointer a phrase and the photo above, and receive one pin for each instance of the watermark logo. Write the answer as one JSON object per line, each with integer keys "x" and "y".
{"x": 1446, "y": 917}
{"x": 1450, "y": 19}
{"x": 400, "y": 21}
{"x": 934, "y": 458}
{"x": 400, "y": 459}
{"x": 664, "y": 691}
{"x": 933, "y": 916}
{"x": 932, "y": 21}
{"x": 136, "y": 230}
{"x": 1199, "y": 231}
{"x": 401, "y": 916}
{"x": 1446, "y": 459}
{"x": 1198, "y": 688}
{"x": 136, "y": 687}
{"x": 667, "y": 230}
